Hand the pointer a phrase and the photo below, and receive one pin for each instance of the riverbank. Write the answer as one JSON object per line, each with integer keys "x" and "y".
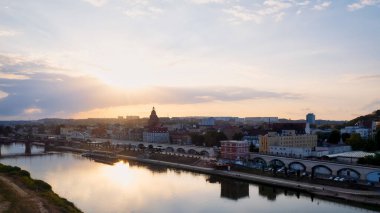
{"x": 322, "y": 191}
{"x": 20, "y": 193}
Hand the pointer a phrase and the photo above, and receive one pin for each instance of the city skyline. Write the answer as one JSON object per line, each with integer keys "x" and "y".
{"x": 100, "y": 58}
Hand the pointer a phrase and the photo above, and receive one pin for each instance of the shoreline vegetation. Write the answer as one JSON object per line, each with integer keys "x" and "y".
{"x": 362, "y": 198}
{"x": 21, "y": 193}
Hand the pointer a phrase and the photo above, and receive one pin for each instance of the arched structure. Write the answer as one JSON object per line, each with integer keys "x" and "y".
{"x": 192, "y": 152}
{"x": 205, "y": 153}
{"x": 169, "y": 149}
{"x": 181, "y": 150}
{"x": 276, "y": 163}
{"x": 321, "y": 170}
{"x": 373, "y": 177}
{"x": 347, "y": 172}
{"x": 259, "y": 162}
{"x": 297, "y": 166}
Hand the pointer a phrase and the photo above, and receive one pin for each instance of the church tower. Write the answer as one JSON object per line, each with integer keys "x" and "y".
{"x": 154, "y": 121}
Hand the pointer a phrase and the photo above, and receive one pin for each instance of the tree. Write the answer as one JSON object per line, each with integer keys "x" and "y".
{"x": 213, "y": 138}
{"x": 345, "y": 136}
{"x": 237, "y": 136}
{"x": 322, "y": 136}
{"x": 5, "y": 130}
{"x": 356, "y": 142}
{"x": 372, "y": 160}
{"x": 377, "y": 140}
{"x": 197, "y": 139}
{"x": 334, "y": 137}
{"x": 252, "y": 148}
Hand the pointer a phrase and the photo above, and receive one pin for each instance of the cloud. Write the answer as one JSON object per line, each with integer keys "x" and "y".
{"x": 8, "y": 33}
{"x": 3, "y": 94}
{"x": 240, "y": 13}
{"x": 13, "y": 66}
{"x": 96, "y": 3}
{"x": 141, "y": 12}
{"x": 32, "y": 110}
{"x": 362, "y": 3}
{"x": 12, "y": 76}
{"x": 368, "y": 77}
{"x": 322, "y": 6}
{"x": 279, "y": 17}
{"x": 48, "y": 94}
{"x": 207, "y": 1}
{"x": 274, "y": 7}
{"x": 269, "y": 8}
{"x": 348, "y": 78}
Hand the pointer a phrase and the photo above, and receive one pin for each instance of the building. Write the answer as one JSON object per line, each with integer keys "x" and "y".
{"x": 234, "y": 150}
{"x": 252, "y": 139}
{"x": 135, "y": 134}
{"x": 288, "y": 138}
{"x": 180, "y": 138}
{"x": 260, "y": 120}
{"x": 156, "y": 135}
{"x": 321, "y": 151}
{"x": 207, "y": 122}
{"x": 154, "y": 132}
{"x": 310, "y": 118}
{"x": 291, "y": 151}
{"x": 350, "y": 157}
{"x": 363, "y": 132}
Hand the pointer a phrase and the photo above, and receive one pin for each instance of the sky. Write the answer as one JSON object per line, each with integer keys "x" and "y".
{"x": 246, "y": 58}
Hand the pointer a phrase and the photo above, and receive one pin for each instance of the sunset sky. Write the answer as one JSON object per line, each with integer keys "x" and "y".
{"x": 104, "y": 58}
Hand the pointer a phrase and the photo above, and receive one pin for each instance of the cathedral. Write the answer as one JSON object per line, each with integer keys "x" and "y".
{"x": 154, "y": 132}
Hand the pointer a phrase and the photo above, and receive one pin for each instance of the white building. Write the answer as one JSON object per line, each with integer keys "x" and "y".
{"x": 156, "y": 135}
{"x": 76, "y": 135}
{"x": 364, "y": 132}
{"x": 291, "y": 151}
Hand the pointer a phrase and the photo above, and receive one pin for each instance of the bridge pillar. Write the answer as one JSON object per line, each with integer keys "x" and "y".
{"x": 28, "y": 148}
{"x": 46, "y": 146}
{"x": 0, "y": 150}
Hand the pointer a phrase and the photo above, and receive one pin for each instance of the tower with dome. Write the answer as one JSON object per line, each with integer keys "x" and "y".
{"x": 154, "y": 132}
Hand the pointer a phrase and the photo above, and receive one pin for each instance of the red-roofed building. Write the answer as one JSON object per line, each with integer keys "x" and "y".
{"x": 234, "y": 150}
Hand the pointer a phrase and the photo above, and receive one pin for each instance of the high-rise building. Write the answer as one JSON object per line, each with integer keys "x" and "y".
{"x": 310, "y": 118}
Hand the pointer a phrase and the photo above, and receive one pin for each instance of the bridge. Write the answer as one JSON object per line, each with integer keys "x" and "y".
{"x": 184, "y": 149}
{"x": 318, "y": 168}
{"x": 27, "y": 149}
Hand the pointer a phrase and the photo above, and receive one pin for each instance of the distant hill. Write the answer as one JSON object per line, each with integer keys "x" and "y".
{"x": 365, "y": 119}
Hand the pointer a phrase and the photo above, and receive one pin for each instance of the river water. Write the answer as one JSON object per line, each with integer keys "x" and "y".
{"x": 136, "y": 187}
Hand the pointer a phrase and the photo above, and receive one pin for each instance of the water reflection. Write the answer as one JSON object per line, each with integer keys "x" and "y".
{"x": 19, "y": 148}
{"x": 135, "y": 187}
{"x": 230, "y": 189}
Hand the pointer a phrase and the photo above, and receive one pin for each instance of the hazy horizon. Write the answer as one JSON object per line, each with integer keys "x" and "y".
{"x": 103, "y": 58}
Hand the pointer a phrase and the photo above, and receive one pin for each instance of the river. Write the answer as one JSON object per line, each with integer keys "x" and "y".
{"x": 136, "y": 187}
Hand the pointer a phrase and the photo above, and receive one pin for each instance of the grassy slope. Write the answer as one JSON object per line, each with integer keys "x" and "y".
{"x": 39, "y": 187}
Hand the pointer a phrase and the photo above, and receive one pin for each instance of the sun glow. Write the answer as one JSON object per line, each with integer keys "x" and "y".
{"x": 119, "y": 173}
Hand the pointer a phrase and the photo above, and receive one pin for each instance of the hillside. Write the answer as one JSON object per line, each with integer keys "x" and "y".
{"x": 374, "y": 116}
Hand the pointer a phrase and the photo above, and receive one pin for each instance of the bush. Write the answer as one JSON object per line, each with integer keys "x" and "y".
{"x": 42, "y": 185}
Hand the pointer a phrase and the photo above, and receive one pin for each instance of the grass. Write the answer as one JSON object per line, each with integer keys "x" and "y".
{"x": 39, "y": 187}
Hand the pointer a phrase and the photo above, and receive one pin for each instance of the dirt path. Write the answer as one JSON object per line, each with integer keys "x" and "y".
{"x": 28, "y": 198}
